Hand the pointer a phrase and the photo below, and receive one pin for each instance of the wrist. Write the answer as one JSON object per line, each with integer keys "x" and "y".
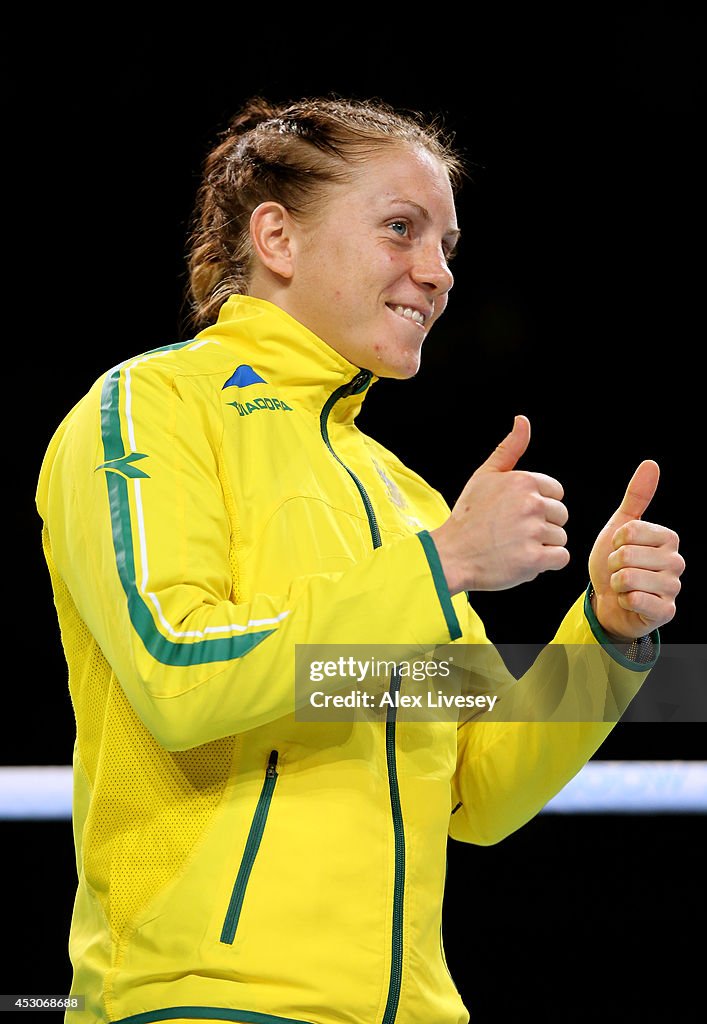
{"x": 614, "y": 638}
{"x": 452, "y": 573}
{"x": 636, "y": 650}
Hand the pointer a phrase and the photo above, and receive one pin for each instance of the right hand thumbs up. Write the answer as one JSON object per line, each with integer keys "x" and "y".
{"x": 507, "y": 524}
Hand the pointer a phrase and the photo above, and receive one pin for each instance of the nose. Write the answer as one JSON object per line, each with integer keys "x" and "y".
{"x": 431, "y": 271}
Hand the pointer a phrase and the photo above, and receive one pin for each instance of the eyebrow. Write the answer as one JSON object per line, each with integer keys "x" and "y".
{"x": 454, "y": 233}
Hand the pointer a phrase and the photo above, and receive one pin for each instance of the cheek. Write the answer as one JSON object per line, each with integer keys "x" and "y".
{"x": 441, "y": 304}
{"x": 395, "y": 262}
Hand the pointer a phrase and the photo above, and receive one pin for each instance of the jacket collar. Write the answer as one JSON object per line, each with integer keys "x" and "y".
{"x": 287, "y": 355}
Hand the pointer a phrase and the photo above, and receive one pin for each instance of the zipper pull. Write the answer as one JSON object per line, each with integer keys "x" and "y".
{"x": 360, "y": 382}
{"x": 271, "y": 770}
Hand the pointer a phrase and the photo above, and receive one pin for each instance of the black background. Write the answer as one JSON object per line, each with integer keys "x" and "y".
{"x": 579, "y": 301}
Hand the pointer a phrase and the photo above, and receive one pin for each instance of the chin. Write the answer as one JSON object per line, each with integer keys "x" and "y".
{"x": 399, "y": 372}
{"x": 393, "y": 371}
{"x": 396, "y": 366}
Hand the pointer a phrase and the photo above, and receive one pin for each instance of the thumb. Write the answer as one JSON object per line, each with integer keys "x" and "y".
{"x": 639, "y": 493}
{"x": 510, "y": 449}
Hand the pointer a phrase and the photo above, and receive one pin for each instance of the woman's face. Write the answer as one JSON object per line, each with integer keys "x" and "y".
{"x": 370, "y": 269}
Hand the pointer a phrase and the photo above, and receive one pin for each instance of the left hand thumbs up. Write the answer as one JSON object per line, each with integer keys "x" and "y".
{"x": 639, "y": 494}
{"x": 634, "y": 565}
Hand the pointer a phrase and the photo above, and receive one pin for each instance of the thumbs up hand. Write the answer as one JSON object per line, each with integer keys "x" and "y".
{"x": 635, "y": 566}
{"x": 507, "y": 524}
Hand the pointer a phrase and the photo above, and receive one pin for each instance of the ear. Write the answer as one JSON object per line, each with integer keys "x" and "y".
{"x": 271, "y": 236}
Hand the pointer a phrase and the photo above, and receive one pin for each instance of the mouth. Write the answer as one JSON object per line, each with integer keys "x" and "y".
{"x": 409, "y": 313}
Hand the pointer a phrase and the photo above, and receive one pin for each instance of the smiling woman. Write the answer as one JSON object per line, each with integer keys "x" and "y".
{"x": 376, "y": 240}
{"x": 369, "y": 252}
{"x": 241, "y": 858}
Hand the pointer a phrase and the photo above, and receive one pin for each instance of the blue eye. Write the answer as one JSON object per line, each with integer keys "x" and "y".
{"x": 401, "y": 225}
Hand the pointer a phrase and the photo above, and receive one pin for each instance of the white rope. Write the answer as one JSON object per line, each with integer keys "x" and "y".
{"x": 630, "y": 787}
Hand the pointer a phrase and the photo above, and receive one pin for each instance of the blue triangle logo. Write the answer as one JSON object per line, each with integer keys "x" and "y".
{"x": 242, "y": 376}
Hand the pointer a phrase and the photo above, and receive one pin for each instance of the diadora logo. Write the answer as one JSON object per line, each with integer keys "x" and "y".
{"x": 124, "y": 465}
{"x": 246, "y": 408}
{"x": 244, "y": 376}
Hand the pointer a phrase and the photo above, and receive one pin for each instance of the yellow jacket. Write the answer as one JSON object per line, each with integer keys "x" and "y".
{"x": 209, "y": 507}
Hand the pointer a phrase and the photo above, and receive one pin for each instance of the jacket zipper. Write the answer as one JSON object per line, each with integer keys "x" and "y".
{"x": 255, "y": 834}
{"x": 396, "y": 960}
{"x": 359, "y": 383}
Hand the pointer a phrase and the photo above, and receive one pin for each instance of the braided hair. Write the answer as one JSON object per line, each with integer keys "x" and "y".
{"x": 286, "y": 154}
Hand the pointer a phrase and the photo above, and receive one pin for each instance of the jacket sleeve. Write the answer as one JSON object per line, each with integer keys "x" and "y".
{"x": 136, "y": 525}
{"x": 544, "y": 727}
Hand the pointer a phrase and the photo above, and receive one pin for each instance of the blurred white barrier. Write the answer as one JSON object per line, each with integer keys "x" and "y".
{"x": 635, "y": 787}
{"x": 43, "y": 792}
{"x": 35, "y": 791}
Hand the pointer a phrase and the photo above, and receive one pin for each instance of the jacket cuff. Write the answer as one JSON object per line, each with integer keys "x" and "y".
{"x": 639, "y": 655}
{"x": 445, "y": 598}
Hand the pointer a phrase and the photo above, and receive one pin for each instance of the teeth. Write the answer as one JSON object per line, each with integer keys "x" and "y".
{"x": 410, "y": 314}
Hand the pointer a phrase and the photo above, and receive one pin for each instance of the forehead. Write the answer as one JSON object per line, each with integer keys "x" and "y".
{"x": 404, "y": 173}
